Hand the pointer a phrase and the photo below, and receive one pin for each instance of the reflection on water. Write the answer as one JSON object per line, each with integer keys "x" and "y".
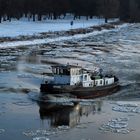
{"x": 59, "y": 115}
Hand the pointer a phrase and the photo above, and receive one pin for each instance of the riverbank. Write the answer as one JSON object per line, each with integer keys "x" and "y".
{"x": 50, "y": 37}
{"x": 53, "y": 30}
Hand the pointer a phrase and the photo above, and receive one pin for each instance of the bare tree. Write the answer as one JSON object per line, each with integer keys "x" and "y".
{"x": 108, "y": 8}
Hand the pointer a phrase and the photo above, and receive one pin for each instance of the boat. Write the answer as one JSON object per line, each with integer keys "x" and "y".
{"x": 79, "y": 82}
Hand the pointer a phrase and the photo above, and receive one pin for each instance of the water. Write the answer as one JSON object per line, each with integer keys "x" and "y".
{"x": 21, "y": 71}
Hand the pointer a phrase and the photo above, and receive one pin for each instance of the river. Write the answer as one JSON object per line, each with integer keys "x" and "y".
{"x": 21, "y": 68}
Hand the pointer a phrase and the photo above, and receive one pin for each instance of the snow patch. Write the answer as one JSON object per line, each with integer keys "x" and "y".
{"x": 24, "y": 27}
{"x": 49, "y": 40}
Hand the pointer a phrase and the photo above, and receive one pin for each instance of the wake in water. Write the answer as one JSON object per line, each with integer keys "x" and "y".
{"x": 63, "y": 99}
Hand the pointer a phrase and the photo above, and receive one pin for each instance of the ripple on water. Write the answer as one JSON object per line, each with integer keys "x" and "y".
{"x": 23, "y": 103}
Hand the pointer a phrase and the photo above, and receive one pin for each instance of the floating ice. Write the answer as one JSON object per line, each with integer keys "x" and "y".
{"x": 122, "y": 131}
{"x": 120, "y": 119}
{"x": 40, "y": 133}
{"x": 23, "y": 103}
{"x": 86, "y": 139}
{"x": 117, "y": 125}
{"x": 45, "y": 132}
{"x": 122, "y": 109}
{"x": 127, "y": 105}
{"x": 85, "y": 103}
{"x": 81, "y": 127}
{"x": 126, "y": 108}
{"x": 2, "y": 131}
{"x": 30, "y": 133}
{"x": 63, "y": 127}
{"x": 136, "y": 110}
{"x": 41, "y": 138}
{"x": 25, "y": 76}
{"x": 6, "y": 59}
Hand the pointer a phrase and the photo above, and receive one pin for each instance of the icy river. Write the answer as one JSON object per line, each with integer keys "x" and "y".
{"x": 115, "y": 117}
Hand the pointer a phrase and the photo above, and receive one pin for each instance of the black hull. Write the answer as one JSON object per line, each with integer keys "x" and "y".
{"x": 80, "y": 92}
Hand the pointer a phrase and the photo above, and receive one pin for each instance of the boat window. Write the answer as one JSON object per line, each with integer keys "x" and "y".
{"x": 57, "y": 71}
{"x": 71, "y": 71}
{"x": 106, "y": 82}
{"x": 96, "y": 83}
{"x": 101, "y": 82}
{"x": 85, "y": 77}
{"x": 61, "y": 71}
{"x": 54, "y": 70}
{"x": 77, "y": 72}
{"x": 81, "y": 71}
{"x": 66, "y": 72}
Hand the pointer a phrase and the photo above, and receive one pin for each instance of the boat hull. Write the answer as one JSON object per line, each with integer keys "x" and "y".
{"x": 79, "y": 91}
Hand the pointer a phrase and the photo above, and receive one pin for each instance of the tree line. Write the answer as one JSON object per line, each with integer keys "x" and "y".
{"x": 127, "y": 10}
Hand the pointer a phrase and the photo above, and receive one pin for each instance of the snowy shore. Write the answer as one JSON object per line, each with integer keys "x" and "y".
{"x": 24, "y": 27}
{"x": 55, "y": 31}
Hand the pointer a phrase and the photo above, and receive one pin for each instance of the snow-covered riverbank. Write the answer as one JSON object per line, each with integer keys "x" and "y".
{"x": 24, "y": 27}
{"x": 61, "y": 35}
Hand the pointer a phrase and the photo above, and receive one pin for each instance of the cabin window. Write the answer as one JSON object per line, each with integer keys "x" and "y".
{"x": 73, "y": 72}
{"x": 61, "y": 71}
{"x": 66, "y": 72}
{"x": 106, "y": 82}
{"x": 54, "y": 70}
{"x": 96, "y": 83}
{"x": 90, "y": 85}
{"x": 101, "y": 82}
{"x": 78, "y": 72}
{"x": 57, "y": 71}
{"x": 85, "y": 77}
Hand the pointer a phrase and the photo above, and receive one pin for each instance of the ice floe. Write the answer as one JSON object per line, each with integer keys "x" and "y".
{"x": 29, "y": 133}
{"x": 2, "y": 131}
{"x": 23, "y": 103}
{"x": 63, "y": 127}
{"x": 25, "y": 76}
{"x": 41, "y": 138}
{"x": 81, "y": 126}
{"x": 42, "y": 133}
{"x": 126, "y": 108}
{"x": 116, "y": 125}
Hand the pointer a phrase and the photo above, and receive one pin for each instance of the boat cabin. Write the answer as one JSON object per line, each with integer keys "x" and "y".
{"x": 67, "y": 74}
{"x": 76, "y": 75}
